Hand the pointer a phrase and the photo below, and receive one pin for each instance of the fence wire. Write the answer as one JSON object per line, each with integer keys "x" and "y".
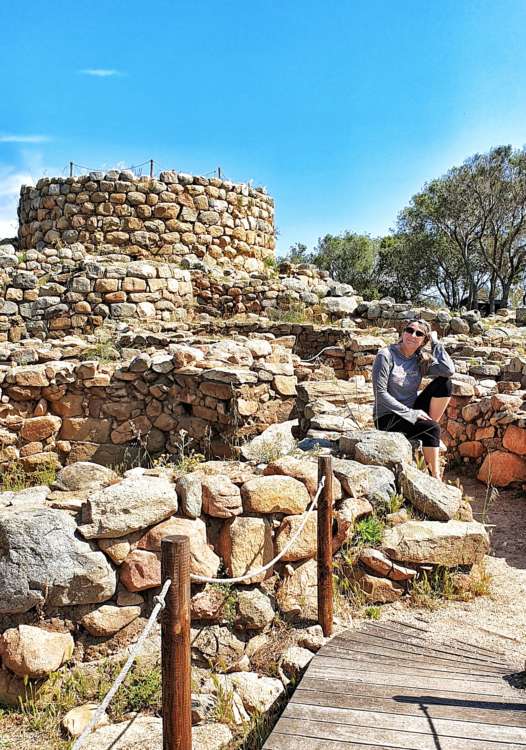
{"x": 126, "y": 668}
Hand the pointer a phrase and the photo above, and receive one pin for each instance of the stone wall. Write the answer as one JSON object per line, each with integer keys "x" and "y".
{"x": 219, "y": 394}
{"x": 167, "y": 218}
{"x": 63, "y": 294}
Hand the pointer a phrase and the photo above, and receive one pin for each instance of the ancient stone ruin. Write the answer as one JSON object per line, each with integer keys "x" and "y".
{"x": 160, "y": 375}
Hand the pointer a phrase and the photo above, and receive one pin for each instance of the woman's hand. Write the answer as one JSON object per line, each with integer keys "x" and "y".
{"x": 422, "y": 414}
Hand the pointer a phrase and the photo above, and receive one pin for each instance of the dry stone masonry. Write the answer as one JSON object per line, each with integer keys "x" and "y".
{"x": 169, "y": 217}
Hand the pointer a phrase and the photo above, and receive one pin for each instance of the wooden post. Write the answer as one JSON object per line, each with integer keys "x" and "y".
{"x": 71, "y": 169}
{"x": 175, "y": 645}
{"x": 325, "y": 583}
{"x": 219, "y": 172}
{"x": 151, "y": 168}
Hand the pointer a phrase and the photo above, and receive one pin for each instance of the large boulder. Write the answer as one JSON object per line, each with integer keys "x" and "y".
{"x": 41, "y": 560}
{"x": 190, "y": 494}
{"x": 204, "y": 561}
{"x": 108, "y": 620}
{"x": 144, "y": 732}
{"x": 254, "y": 610}
{"x": 340, "y": 305}
{"x": 298, "y": 594}
{"x": 257, "y": 693}
{"x": 500, "y": 469}
{"x": 303, "y": 470}
{"x": 274, "y": 442}
{"x": 275, "y": 494}
{"x": 437, "y": 500}
{"x": 354, "y": 476}
{"x": 245, "y": 544}
{"x": 221, "y": 497}
{"x": 132, "y": 504}
{"x": 450, "y": 544}
{"x": 382, "y": 485}
{"x": 33, "y": 652}
{"x": 377, "y": 448}
{"x": 84, "y": 475}
{"x": 375, "y": 589}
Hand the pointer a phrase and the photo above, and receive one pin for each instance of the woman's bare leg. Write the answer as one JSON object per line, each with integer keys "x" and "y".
{"x": 437, "y": 407}
{"x": 432, "y": 458}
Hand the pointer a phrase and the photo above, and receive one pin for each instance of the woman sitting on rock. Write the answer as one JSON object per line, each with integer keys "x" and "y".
{"x": 397, "y": 373}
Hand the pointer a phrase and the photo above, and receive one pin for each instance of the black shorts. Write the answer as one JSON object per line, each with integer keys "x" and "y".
{"x": 425, "y": 430}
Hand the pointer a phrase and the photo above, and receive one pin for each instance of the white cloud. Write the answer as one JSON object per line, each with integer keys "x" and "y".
{"x": 24, "y": 138}
{"x": 101, "y": 72}
{"x": 11, "y": 181}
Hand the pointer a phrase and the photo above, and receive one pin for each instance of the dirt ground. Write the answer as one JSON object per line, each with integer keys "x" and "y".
{"x": 497, "y": 621}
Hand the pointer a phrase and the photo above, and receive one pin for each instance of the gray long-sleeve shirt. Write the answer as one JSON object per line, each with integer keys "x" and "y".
{"x": 396, "y": 380}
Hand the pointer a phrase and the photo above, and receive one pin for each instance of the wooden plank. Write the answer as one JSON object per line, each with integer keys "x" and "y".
{"x": 403, "y": 692}
{"x": 401, "y": 628}
{"x": 389, "y": 738}
{"x": 278, "y": 741}
{"x": 405, "y": 723}
{"x": 436, "y": 708}
{"x": 404, "y": 641}
{"x": 366, "y": 645}
{"x": 395, "y": 677}
{"x": 414, "y": 662}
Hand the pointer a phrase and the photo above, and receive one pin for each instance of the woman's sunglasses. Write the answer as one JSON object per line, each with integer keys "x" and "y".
{"x": 414, "y": 331}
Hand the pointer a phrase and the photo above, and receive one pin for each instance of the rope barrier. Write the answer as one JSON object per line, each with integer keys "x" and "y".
{"x": 264, "y": 568}
{"x": 124, "y": 671}
{"x": 311, "y": 359}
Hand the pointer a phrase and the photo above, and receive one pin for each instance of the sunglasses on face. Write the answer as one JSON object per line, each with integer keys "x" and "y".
{"x": 414, "y": 331}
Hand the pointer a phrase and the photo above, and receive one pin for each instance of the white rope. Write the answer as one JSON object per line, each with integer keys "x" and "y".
{"x": 311, "y": 359}
{"x": 264, "y": 568}
{"x": 124, "y": 671}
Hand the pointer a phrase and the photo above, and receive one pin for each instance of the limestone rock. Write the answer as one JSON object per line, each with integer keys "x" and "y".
{"x": 76, "y": 720}
{"x": 210, "y": 737}
{"x": 84, "y": 475}
{"x": 351, "y": 509}
{"x": 298, "y": 594}
{"x": 382, "y": 485}
{"x": 12, "y": 689}
{"x": 439, "y": 501}
{"x": 381, "y": 565}
{"x": 43, "y": 560}
{"x": 275, "y": 494}
{"x": 254, "y": 610}
{"x": 144, "y": 732}
{"x": 204, "y": 561}
{"x": 500, "y": 469}
{"x": 33, "y": 652}
{"x": 274, "y": 442}
{"x": 377, "y": 448}
{"x": 311, "y": 638}
{"x": 452, "y": 543}
{"x": 108, "y": 620}
{"x": 128, "y": 506}
{"x": 221, "y": 497}
{"x": 257, "y": 693}
{"x": 141, "y": 570}
{"x": 245, "y": 544}
{"x": 190, "y": 493}
{"x": 294, "y": 661}
{"x": 304, "y": 471}
{"x": 209, "y": 604}
{"x": 218, "y": 644}
{"x": 377, "y": 590}
{"x": 353, "y": 476}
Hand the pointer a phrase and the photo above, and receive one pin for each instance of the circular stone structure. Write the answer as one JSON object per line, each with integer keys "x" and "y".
{"x": 164, "y": 218}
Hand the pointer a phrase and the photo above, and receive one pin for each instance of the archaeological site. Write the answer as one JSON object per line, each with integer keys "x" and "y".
{"x": 163, "y": 373}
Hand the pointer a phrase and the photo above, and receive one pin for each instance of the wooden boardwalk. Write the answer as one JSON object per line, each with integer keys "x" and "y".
{"x": 387, "y": 685}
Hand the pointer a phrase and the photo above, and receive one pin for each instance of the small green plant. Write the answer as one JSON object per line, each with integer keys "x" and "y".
{"x": 103, "y": 350}
{"x": 15, "y": 477}
{"x": 372, "y": 612}
{"x": 396, "y": 502}
{"x": 294, "y": 313}
{"x": 229, "y": 604}
{"x": 368, "y": 531}
{"x": 185, "y": 459}
{"x": 420, "y": 462}
{"x": 22, "y": 256}
{"x": 224, "y": 709}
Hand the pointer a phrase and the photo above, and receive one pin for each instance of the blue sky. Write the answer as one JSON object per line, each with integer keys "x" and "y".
{"x": 342, "y": 109}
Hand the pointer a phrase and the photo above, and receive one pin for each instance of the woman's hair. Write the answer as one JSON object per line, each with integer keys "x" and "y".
{"x": 424, "y": 359}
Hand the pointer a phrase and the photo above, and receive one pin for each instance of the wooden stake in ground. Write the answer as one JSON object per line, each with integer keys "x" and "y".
{"x": 325, "y": 582}
{"x": 175, "y": 648}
